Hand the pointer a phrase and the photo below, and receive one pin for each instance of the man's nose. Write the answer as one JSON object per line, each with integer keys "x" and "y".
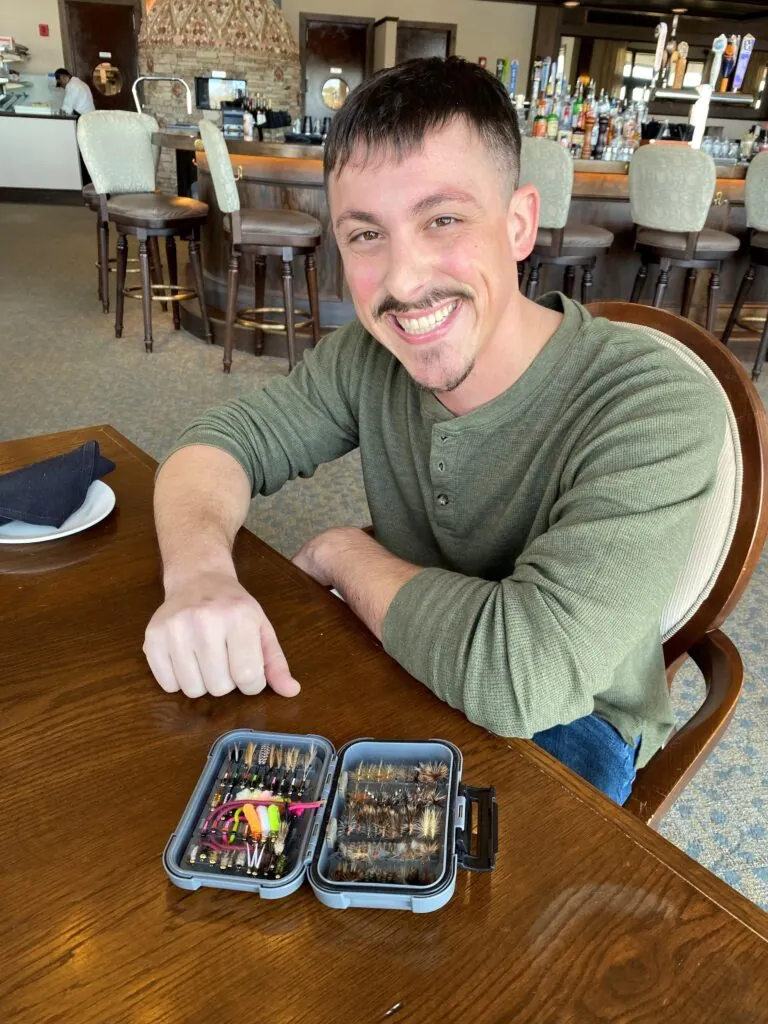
{"x": 409, "y": 271}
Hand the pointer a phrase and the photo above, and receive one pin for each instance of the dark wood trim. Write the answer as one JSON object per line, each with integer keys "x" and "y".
{"x": 437, "y": 26}
{"x": 47, "y": 196}
{"x": 66, "y": 42}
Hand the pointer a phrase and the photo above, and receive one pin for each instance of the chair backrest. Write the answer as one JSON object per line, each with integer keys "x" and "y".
{"x": 549, "y": 167}
{"x": 220, "y": 166}
{"x": 733, "y": 521}
{"x": 756, "y": 193}
{"x": 116, "y": 146}
{"x": 671, "y": 187}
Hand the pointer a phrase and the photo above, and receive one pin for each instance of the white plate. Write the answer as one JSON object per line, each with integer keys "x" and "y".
{"x": 99, "y": 502}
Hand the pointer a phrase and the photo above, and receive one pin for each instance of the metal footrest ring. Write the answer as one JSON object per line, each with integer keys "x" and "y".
{"x": 170, "y": 292}
{"x": 249, "y": 318}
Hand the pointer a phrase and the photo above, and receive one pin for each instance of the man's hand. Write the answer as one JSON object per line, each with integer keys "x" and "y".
{"x": 212, "y": 637}
{"x": 318, "y": 556}
{"x": 366, "y": 575}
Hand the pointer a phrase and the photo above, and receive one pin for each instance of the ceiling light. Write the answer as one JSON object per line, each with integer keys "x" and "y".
{"x": 571, "y": 3}
{"x": 679, "y": 10}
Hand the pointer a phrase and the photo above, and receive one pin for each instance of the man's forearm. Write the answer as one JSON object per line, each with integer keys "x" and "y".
{"x": 201, "y": 501}
{"x": 366, "y": 575}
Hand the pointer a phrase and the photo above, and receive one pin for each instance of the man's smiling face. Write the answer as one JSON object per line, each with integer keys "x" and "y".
{"x": 428, "y": 244}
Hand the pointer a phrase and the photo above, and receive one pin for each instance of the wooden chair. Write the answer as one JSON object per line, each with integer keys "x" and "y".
{"x": 727, "y": 545}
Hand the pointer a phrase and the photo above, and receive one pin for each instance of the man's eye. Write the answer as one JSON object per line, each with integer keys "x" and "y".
{"x": 366, "y": 236}
{"x": 444, "y": 222}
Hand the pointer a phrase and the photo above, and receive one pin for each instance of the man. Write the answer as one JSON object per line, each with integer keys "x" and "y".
{"x": 534, "y": 475}
{"x": 77, "y": 96}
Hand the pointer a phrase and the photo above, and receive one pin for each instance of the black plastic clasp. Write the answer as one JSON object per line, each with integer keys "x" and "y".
{"x": 480, "y": 807}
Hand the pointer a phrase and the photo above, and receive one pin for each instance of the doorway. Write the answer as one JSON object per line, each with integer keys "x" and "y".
{"x": 101, "y": 48}
{"x": 336, "y": 56}
{"x": 424, "y": 39}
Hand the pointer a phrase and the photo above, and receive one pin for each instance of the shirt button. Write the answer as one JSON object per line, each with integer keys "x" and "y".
{"x": 442, "y": 499}
{"x": 441, "y": 466}
{"x": 444, "y": 438}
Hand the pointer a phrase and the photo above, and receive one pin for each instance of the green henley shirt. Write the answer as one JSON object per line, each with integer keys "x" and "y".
{"x": 552, "y": 522}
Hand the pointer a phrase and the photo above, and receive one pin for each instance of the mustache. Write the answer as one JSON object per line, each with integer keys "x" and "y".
{"x": 433, "y": 298}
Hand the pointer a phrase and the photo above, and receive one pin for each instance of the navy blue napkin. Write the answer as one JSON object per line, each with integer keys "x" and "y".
{"x": 48, "y": 492}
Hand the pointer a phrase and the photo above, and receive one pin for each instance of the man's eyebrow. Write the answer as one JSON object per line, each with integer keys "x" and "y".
{"x": 417, "y": 210}
{"x": 438, "y": 198}
{"x": 361, "y": 215}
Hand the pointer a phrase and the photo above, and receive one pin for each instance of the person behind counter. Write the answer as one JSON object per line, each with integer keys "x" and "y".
{"x": 77, "y": 96}
{"x": 534, "y": 474}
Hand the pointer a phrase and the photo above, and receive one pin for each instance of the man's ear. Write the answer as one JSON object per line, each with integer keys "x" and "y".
{"x": 523, "y": 221}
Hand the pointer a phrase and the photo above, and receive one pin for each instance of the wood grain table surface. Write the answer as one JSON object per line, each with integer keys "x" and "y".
{"x": 589, "y": 916}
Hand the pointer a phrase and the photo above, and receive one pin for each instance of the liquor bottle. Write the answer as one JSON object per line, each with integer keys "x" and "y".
{"x": 483, "y": 62}
{"x": 590, "y": 124}
{"x": 540, "y": 120}
{"x": 577, "y": 109}
{"x": 577, "y": 143}
{"x": 658, "y": 59}
{"x": 553, "y": 122}
{"x": 604, "y": 123}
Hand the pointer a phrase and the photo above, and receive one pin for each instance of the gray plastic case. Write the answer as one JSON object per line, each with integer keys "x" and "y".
{"x": 313, "y": 857}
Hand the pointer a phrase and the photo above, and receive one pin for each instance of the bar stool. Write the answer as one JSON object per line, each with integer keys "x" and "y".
{"x": 262, "y": 233}
{"x": 91, "y": 200}
{"x": 118, "y": 152}
{"x": 549, "y": 167}
{"x": 756, "y": 202}
{"x": 670, "y": 193}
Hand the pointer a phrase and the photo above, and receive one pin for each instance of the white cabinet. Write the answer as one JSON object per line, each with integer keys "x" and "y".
{"x": 39, "y": 152}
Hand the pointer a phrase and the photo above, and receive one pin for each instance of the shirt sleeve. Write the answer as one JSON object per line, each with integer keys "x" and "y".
{"x": 296, "y": 423}
{"x": 534, "y": 650}
{"x": 68, "y": 103}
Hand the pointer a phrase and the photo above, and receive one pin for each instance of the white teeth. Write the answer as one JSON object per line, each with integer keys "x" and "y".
{"x": 423, "y": 324}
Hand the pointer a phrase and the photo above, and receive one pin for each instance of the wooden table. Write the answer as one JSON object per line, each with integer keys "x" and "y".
{"x": 589, "y": 916}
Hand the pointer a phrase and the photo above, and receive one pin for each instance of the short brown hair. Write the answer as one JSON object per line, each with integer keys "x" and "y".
{"x": 395, "y": 108}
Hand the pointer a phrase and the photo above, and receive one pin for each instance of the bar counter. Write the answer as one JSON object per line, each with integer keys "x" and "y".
{"x": 275, "y": 176}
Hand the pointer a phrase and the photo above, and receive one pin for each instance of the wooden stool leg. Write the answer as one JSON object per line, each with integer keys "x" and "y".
{"x": 259, "y": 287}
{"x": 661, "y": 284}
{"x": 310, "y": 267}
{"x": 533, "y": 281}
{"x": 714, "y": 288}
{"x": 99, "y": 286}
{"x": 760, "y": 358}
{"x": 122, "y": 264}
{"x": 637, "y": 288}
{"x": 586, "y": 281}
{"x": 569, "y": 280}
{"x": 146, "y": 293}
{"x": 173, "y": 276}
{"x": 197, "y": 271}
{"x": 746, "y": 284}
{"x": 229, "y": 327}
{"x": 290, "y": 333}
{"x": 156, "y": 266}
{"x": 104, "y": 264}
{"x": 690, "y": 284}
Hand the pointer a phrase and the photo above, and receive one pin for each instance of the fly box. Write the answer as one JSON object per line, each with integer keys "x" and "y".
{"x": 380, "y": 823}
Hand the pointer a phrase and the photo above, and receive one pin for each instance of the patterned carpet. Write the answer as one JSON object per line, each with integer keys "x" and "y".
{"x": 63, "y": 368}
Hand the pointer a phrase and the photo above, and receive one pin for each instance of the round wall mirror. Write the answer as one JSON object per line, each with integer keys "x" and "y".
{"x": 334, "y": 93}
{"x": 107, "y": 78}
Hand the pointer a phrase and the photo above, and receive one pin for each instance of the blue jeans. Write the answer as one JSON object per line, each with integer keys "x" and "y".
{"x": 594, "y": 750}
